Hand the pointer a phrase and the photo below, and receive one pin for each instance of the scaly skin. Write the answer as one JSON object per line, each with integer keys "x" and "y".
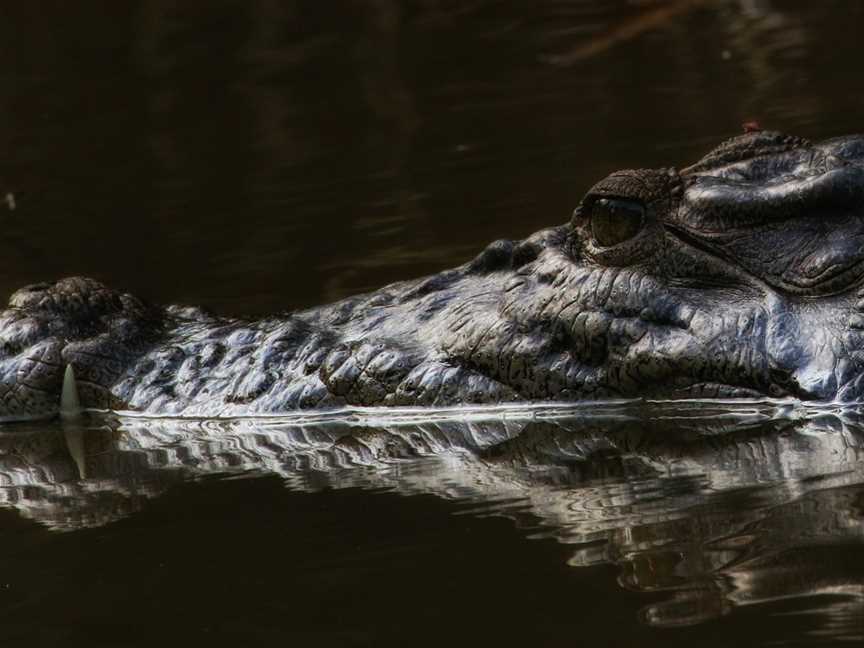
{"x": 737, "y": 276}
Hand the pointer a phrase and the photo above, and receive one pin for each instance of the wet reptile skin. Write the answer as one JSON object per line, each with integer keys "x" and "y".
{"x": 737, "y": 276}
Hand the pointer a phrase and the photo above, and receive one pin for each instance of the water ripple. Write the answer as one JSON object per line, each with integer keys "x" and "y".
{"x": 718, "y": 506}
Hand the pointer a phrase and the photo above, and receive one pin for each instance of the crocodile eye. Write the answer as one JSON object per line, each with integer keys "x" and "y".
{"x": 615, "y": 220}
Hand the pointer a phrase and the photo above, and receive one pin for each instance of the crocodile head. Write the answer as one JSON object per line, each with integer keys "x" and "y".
{"x": 738, "y": 276}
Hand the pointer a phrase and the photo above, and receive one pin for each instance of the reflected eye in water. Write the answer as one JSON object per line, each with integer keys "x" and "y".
{"x": 615, "y": 220}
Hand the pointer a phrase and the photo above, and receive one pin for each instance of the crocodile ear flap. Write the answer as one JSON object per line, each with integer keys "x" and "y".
{"x": 745, "y": 147}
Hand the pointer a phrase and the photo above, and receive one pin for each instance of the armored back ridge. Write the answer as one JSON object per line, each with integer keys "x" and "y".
{"x": 735, "y": 277}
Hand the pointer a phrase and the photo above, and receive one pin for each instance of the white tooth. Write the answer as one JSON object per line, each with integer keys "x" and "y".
{"x": 70, "y": 406}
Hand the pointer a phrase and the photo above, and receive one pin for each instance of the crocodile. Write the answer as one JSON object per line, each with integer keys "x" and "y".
{"x": 739, "y": 276}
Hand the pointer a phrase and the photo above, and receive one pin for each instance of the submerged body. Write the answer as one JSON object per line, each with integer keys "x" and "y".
{"x": 736, "y": 277}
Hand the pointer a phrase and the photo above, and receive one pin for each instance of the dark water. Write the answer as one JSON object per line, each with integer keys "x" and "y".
{"x": 604, "y": 525}
{"x": 253, "y": 157}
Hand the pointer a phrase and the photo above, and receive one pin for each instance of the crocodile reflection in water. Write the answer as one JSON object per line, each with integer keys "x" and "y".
{"x": 719, "y": 510}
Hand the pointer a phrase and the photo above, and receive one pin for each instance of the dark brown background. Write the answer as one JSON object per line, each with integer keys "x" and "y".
{"x": 259, "y": 156}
